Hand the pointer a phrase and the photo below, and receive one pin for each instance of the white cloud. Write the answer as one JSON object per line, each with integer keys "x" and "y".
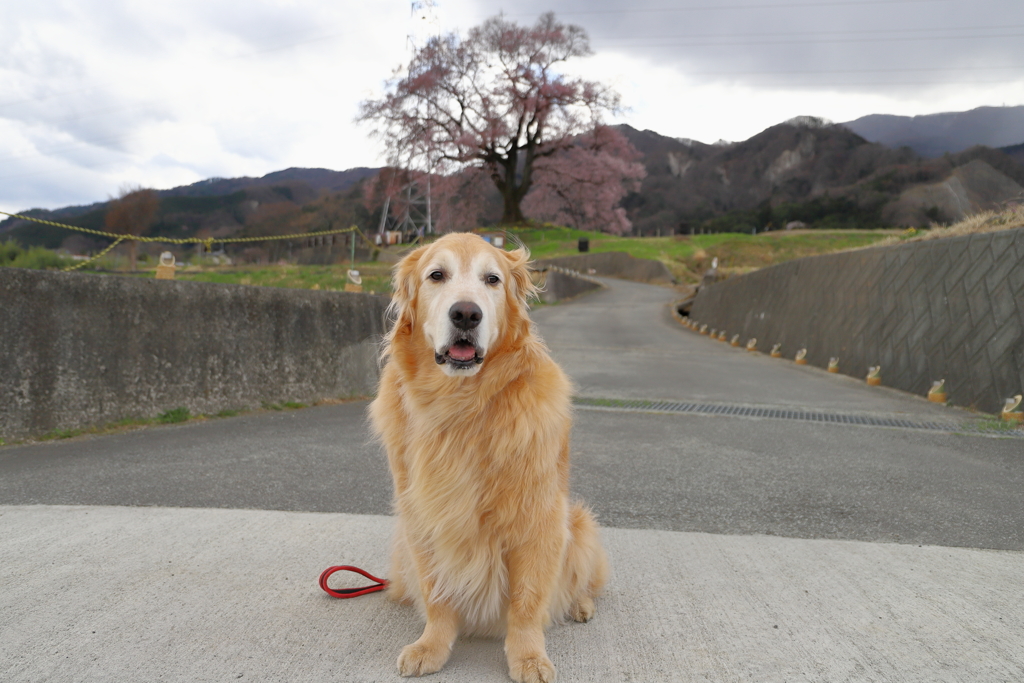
{"x": 169, "y": 94}
{"x": 663, "y": 99}
{"x": 98, "y": 93}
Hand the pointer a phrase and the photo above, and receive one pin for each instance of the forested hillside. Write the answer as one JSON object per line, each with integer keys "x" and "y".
{"x": 805, "y": 173}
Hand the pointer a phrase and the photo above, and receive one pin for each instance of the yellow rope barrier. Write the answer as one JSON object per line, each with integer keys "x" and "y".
{"x": 184, "y": 240}
{"x": 88, "y": 261}
{"x": 206, "y": 241}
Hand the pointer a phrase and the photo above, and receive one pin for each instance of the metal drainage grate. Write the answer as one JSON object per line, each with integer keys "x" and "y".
{"x": 640, "y": 405}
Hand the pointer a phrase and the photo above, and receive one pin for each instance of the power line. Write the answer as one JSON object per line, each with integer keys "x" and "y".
{"x": 645, "y": 42}
{"x": 659, "y": 42}
{"x": 844, "y": 84}
{"x": 811, "y": 41}
{"x": 900, "y": 31}
{"x": 853, "y": 71}
{"x": 719, "y": 7}
{"x": 102, "y": 144}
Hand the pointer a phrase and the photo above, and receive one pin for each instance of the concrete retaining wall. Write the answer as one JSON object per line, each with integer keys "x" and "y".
{"x": 77, "y": 349}
{"x": 947, "y": 308}
{"x": 614, "y": 264}
{"x": 561, "y": 284}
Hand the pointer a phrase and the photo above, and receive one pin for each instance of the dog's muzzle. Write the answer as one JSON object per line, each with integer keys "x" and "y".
{"x": 461, "y": 348}
{"x": 462, "y": 352}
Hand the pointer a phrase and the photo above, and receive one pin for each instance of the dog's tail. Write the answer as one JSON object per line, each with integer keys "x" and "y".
{"x": 585, "y": 571}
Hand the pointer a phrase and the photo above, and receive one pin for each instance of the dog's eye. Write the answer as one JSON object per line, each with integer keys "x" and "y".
{"x": 492, "y": 279}
{"x": 436, "y": 276}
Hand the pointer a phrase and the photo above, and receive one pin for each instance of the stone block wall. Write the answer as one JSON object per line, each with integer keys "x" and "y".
{"x": 948, "y": 309}
{"x": 78, "y": 349}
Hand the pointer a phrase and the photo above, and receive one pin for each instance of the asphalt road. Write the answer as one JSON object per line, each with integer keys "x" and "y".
{"x": 732, "y": 475}
{"x": 714, "y": 474}
{"x": 743, "y": 548}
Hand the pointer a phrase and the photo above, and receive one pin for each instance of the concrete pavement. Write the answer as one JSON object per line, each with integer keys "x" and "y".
{"x": 193, "y": 595}
{"x": 190, "y": 552}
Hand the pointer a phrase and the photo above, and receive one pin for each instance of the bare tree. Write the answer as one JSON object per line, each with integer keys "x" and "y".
{"x": 495, "y": 100}
{"x": 132, "y": 213}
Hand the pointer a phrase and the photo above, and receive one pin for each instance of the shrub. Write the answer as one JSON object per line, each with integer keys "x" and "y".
{"x": 13, "y": 255}
{"x": 174, "y": 415}
{"x": 9, "y": 250}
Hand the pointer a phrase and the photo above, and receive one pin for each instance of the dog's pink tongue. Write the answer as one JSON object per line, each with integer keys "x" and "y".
{"x": 462, "y": 351}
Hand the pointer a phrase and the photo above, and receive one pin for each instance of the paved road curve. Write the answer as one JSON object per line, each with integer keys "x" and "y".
{"x": 638, "y": 470}
{"x": 743, "y": 548}
{"x": 780, "y": 477}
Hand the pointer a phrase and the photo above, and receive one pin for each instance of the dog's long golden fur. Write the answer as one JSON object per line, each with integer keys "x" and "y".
{"x": 475, "y": 417}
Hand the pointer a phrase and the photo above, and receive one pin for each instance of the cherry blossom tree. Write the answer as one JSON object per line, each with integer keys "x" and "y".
{"x": 495, "y": 100}
{"x": 582, "y": 186}
{"x": 462, "y": 200}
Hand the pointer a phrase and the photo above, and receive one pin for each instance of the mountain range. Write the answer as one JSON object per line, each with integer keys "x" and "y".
{"x": 933, "y": 135}
{"x": 875, "y": 171}
{"x": 214, "y": 207}
{"x": 812, "y": 171}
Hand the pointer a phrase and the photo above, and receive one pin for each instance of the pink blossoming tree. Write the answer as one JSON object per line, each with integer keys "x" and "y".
{"x": 581, "y": 186}
{"x": 495, "y": 100}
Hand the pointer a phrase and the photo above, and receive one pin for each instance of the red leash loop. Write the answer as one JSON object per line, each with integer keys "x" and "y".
{"x": 351, "y": 592}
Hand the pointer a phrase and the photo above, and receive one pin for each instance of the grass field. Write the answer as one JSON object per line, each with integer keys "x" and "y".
{"x": 686, "y": 256}
{"x": 375, "y": 276}
{"x": 689, "y": 256}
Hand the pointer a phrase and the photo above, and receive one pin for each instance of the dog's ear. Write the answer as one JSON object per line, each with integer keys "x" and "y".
{"x": 403, "y": 287}
{"x": 519, "y": 264}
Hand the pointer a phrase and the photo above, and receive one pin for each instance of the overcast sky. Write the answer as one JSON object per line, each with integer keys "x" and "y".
{"x": 95, "y": 94}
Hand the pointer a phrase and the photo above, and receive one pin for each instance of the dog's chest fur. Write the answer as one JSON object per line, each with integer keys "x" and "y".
{"x": 480, "y": 478}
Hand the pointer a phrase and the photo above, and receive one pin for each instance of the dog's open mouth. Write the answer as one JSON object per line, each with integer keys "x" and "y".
{"x": 460, "y": 355}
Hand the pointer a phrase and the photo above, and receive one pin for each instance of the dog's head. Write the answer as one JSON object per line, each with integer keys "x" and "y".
{"x": 465, "y": 297}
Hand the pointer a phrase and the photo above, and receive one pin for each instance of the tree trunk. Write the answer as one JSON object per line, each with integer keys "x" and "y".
{"x": 511, "y": 192}
{"x": 511, "y": 214}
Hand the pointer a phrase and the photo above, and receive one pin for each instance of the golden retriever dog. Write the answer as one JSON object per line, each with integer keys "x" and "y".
{"x": 475, "y": 417}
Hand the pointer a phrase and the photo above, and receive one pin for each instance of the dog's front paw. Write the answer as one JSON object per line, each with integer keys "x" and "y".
{"x": 583, "y": 610}
{"x": 418, "y": 659}
{"x": 534, "y": 669}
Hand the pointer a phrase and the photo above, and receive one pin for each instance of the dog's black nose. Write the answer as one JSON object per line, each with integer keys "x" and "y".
{"x": 465, "y": 315}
